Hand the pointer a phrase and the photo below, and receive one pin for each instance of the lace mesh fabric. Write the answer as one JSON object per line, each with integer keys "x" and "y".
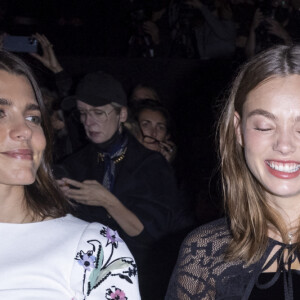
{"x": 202, "y": 273}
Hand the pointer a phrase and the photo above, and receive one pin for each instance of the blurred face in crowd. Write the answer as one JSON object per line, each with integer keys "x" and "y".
{"x": 269, "y": 132}
{"x": 22, "y": 140}
{"x": 100, "y": 122}
{"x": 141, "y": 93}
{"x": 153, "y": 124}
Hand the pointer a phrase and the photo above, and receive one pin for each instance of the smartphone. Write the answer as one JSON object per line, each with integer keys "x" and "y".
{"x": 15, "y": 43}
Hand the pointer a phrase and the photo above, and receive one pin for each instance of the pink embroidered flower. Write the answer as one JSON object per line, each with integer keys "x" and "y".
{"x": 115, "y": 294}
{"x": 118, "y": 295}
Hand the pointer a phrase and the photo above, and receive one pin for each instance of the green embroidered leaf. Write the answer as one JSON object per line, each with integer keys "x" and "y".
{"x": 97, "y": 270}
{"x": 97, "y": 277}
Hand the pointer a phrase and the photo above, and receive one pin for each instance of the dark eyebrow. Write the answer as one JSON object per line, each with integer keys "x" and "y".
{"x": 32, "y": 106}
{"x": 262, "y": 113}
{"x": 5, "y": 102}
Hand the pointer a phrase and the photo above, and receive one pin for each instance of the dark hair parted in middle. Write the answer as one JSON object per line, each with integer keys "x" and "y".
{"x": 43, "y": 197}
{"x": 153, "y": 105}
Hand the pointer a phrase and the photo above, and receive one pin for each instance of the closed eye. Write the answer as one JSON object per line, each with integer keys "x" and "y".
{"x": 99, "y": 112}
{"x": 263, "y": 129}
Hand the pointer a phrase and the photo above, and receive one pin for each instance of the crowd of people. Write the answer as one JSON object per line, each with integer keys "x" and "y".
{"x": 116, "y": 169}
{"x": 207, "y": 29}
{"x": 91, "y": 170}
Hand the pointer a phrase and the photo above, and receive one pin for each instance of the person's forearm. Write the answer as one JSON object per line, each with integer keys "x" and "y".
{"x": 127, "y": 220}
{"x": 56, "y": 69}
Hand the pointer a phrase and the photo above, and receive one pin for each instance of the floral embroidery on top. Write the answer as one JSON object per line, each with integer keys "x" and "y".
{"x": 100, "y": 268}
{"x": 87, "y": 260}
{"x": 112, "y": 236}
{"x": 115, "y": 293}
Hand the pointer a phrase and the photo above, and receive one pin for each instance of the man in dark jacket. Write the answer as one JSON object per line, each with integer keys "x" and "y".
{"x": 119, "y": 183}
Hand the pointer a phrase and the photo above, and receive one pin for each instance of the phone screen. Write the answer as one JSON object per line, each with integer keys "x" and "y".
{"x": 15, "y": 43}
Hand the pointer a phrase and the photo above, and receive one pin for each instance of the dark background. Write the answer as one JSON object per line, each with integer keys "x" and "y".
{"x": 93, "y": 35}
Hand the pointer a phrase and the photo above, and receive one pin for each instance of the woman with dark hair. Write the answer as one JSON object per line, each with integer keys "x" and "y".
{"x": 45, "y": 252}
{"x": 253, "y": 253}
{"x": 154, "y": 122}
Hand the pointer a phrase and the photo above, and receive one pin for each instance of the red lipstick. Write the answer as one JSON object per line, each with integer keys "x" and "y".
{"x": 282, "y": 174}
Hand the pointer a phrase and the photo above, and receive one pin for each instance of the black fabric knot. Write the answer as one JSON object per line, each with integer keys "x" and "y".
{"x": 284, "y": 267}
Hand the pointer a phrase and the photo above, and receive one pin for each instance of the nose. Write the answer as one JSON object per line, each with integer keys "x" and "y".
{"x": 284, "y": 143}
{"x": 153, "y": 132}
{"x": 21, "y": 131}
{"x": 89, "y": 120}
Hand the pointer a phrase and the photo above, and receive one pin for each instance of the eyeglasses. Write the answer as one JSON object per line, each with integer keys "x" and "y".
{"x": 98, "y": 115}
{"x": 151, "y": 140}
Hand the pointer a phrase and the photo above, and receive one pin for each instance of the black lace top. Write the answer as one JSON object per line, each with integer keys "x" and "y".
{"x": 202, "y": 273}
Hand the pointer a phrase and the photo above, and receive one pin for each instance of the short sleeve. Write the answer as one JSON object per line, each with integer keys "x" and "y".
{"x": 103, "y": 267}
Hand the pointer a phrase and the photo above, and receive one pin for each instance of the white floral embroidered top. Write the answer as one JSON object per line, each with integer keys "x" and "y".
{"x": 65, "y": 259}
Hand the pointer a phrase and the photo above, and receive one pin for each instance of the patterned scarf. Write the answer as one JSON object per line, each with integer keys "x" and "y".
{"x": 111, "y": 156}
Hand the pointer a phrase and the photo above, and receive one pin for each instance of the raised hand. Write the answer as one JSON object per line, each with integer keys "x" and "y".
{"x": 48, "y": 57}
{"x": 277, "y": 29}
{"x": 168, "y": 150}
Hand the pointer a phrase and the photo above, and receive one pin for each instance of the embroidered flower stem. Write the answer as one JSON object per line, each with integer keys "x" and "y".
{"x": 84, "y": 277}
{"x": 111, "y": 254}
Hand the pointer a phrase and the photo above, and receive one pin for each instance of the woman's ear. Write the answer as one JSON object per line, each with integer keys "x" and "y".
{"x": 123, "y": 114}
{"x": 238, "y": 128}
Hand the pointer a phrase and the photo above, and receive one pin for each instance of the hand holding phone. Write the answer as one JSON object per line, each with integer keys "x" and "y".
{"x": 47, "y": 55}
{"x": 14, "y": 43}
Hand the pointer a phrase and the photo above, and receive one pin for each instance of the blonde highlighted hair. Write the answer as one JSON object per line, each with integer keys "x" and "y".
{"x": 245, "y": 202}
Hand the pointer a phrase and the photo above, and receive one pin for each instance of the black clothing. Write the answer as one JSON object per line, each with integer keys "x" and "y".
{"x": 202, "y": 273}
{"x": 276, "y": 291}
{"x": 63, "y": 82}
{"x": 144, "y": 183}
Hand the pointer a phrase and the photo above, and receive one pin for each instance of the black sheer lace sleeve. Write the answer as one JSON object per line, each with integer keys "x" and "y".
{"x": 200, "y": 263}
{"x": 202, "y": 273}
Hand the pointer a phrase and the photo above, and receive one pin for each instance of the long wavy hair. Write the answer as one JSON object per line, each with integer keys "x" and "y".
{"x": 246, "y": 205}
{"x": 43, "y": 197}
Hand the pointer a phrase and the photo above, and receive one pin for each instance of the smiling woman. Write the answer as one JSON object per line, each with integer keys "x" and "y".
{"x": 254, "y": 252}
{"x": 53, "y": 254}
{"x": 20, "y": 122}
{"x": 269, "y": 133}
{"x": 24, "y": 136}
